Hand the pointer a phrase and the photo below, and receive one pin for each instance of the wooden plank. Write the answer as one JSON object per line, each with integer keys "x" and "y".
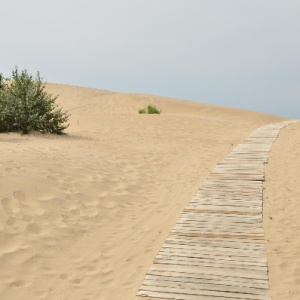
{"x": 200, "y": 285}
{"x": 207, "y": 263}
{"x": 226, "y": 202}
{"x": 221, "y": 208}
{"x": 219, "y": 229}
{"x": 204, "y": 278}
{"x": 234, "y": 183}
{"x": 255, "y": 254}
{"x": 216, "y": 228}
{"x": 147, "y": 290}
{"x": 224, "y": 199}
{"x": 228, "y": 197}
{"x": 225, "y": 217}
{"x": 235, "y": 249}
{"x": 217, "y": 222}
{"x": 211, "y": 256}
{"x": 219, "y": 234}
{"x": 174, "y": 296}
{"x": 225, "y": 205}
{"x": 217, "y": 241}
{"x": 231, "y": 250}
{"x": 149, "y": 298}
{"x": 229, "y": 247}
{"x": 217, "y": 217}
{"x": 226, "y": 221}
{"x": 235, "y": 217}
{"x": 224, "y": 209}
{"x": 252, "y": 248}
{"x": 228, "y": 189}
{"x": 223, "y": 261}
{"x": 204, "y": 197}
{"x": 236, "y": 272}
{"x": 229, "y": 177}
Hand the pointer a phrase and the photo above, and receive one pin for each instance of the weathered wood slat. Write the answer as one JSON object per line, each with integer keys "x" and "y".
{"x": 216, "y": 250}
{"x": 236, "y": 272}
{"x": 174, "y": 296}
{"x": 234, "y": 183}
{"x": 218, "y": 227}
{"x": 244, "y": 201}
{"x": 209, "y": 256}
{"x": 217, "y": 235}
{"x": 208, "y": 263}
{"x": 208, "y": 278}
{"x": 236, "y": 209}
{"x": 198, "y": 285}
{"x": 217, "y": 215}
{"x": 226, "y": 197}
{"x": 145, "y": 289}
{"x": 215, "y": 242}
{"x": 216, "y": 222}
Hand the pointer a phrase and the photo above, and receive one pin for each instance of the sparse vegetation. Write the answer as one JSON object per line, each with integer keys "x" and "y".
{"x": 142, "y": 111}
{"x": 151, "y": 109}
{"x": 25, "y": 106}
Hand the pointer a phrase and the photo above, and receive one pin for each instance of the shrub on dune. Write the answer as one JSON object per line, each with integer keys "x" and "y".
{"x": 25, "y": 106}
{"x": 151, "y": 109}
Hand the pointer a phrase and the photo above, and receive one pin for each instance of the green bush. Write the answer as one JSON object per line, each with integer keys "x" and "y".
{"x": 25, "y": 106}
{"x": 151, "y": 109}
{"x": 142, "y": 111}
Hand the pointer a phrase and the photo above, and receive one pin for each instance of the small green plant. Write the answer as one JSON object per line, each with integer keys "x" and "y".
{"x": 142, "y": 111}
{"x": 25, "y": 106}
{"x": 151, "y": 109}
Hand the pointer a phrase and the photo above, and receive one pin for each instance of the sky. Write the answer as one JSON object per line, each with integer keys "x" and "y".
{"x": 238, "y": 53}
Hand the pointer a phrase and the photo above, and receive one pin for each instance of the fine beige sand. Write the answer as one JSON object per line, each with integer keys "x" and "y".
{"x": 83, "y": 215}
{"x": 282, "y": 214}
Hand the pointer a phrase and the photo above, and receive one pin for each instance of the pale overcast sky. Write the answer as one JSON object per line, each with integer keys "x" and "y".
{"x": 240, "y": 53}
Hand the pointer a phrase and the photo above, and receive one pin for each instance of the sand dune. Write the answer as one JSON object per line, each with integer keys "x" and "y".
{"x": 83, "y": 215}
{"x": 281, "y": 214}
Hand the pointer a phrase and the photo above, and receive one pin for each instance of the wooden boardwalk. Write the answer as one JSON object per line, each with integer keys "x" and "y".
{"x": 216, "y": 249}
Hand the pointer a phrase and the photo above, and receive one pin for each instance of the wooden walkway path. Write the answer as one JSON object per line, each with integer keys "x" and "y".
{"x": 216, "y": 249}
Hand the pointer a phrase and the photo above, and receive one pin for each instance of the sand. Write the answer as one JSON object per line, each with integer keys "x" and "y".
{"x": 83, "y": 215}
{"x": 282, "y": 215}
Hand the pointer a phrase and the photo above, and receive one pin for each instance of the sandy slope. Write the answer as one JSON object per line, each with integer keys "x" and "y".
{"x": 282, "y": 215}
{"x": 83, "y": 215}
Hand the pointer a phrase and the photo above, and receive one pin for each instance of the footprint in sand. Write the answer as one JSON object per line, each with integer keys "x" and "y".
{"x": 34, "y": 228}
{"x": 27, "y": 218}
{"x": 76, "y": 281}
{"x": 10, "y": 205}
{"x": 70, "y": 277}
{"x": 14, "y": 223}
{"x": 19, "y": 195}
{"x": 107, "y": 269}
{"x": 64, "y": 276}
{"x": 18, "y": 283}
{"x": 109, "y": 204}
{"x": 8, "y": 170}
